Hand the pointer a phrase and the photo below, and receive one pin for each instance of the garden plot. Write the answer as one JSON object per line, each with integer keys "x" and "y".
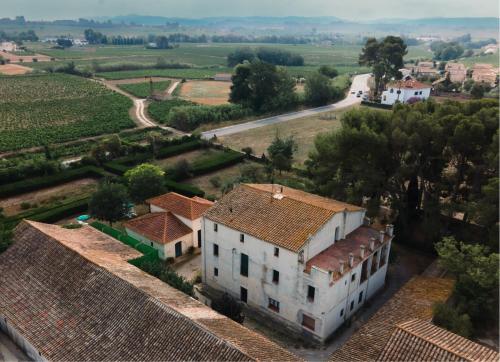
{"x": 206, "y": 92}
{"x": 14, "y": 69}
{"x": 16, "y": 204}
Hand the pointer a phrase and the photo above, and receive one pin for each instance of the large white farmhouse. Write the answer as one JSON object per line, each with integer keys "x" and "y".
{"x": 404, "y": 90}
{"x": 308, "y": 261}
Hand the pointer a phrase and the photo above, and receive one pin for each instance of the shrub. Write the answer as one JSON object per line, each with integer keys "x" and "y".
{"x": 215, "y": 181}
{"x": 229, "y": 307}
{"x": 449, "y": 318}
{"x": 217, "y": 162}
{"x": 180, "y": 171}
{"x": 183, "y": 189}
{"x": 248, "y": 150}
{"x": 25, "y": 205}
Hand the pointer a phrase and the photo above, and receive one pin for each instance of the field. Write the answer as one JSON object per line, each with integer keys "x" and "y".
{"x": 14, "y": 69}
{"x": 228, "y": 174}
{"x": 188, "y": 156}
{"x": 44, "y": 109}
{"x": 303, "y": 130}
{"x": 143, "y": 89}
{"x": 488, "y": 59}
{"x": 206, "y": 92}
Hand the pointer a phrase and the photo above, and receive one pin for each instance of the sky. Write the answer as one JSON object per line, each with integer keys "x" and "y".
{"x": 351, "y": 10}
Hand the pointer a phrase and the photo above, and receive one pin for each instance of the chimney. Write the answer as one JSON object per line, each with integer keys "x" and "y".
{"x": 351, "y": 260}
{"x": 382, "y": 235}
{"x": 341, "y": 267}
{"x": 389, "y": 229}
{"x": 372, "y": 244}
{"x": 366, "y": 221}
{"x": 362, "y": 251}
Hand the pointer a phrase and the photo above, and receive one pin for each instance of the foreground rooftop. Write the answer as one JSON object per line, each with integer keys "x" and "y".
{"x": 73, "y": 296}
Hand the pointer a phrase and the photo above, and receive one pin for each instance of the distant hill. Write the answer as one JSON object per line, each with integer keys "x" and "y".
{"x": 489, "y": 22}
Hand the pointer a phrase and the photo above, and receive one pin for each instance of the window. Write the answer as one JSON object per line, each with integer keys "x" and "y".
{"x": 276, "y": 276}
{"x": 151, "y": 243}
{"x": 420, "y": 93}
{"x": 242, "y": 238}
{"x": 392, "y": 90}
{"x": 308, "y": 322}
{"x": 416, "y": 93}
{"x": 244, "y": 265}
{"x": 342, "y": 312}
{"x": 276, "y": 252}
{"x": 243, "y": 294}
{"x": 360, "y": 297}
{"x": 399, "y": 91}
{"x": 215, "y": 227}
{"x": 337, "y": 233}
{"x": 353, "y": 277}
{"x": 352, "y": 305}
{"x": 274, "y": 305}
{"x": 216, "y": 250}
{"x": 310, "y": 293}
{"x": 216, "y": 272}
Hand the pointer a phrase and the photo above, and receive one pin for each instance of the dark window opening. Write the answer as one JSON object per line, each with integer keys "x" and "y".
{"x": 244, "y": 265}
{"x": 274, "y": 305}
{"x": 216, "y": 272}
{"x": 342, "y": 312}
{"x": 242, "y": 238}
{"x": 276, "y": 252}
{"x": 352, "y": 305}
{"x": 308, "y": 322}
{"x": 215, "y": 227}
{"x": 216, "y": 250}
{"x": 243, "y": 294}
{"x": 353, "y": 277}
{"x": 374, "y": 263}
{"x": 276, "y": 276}
{"x": 360, "y": 297}
{"x": 310, "y": 293}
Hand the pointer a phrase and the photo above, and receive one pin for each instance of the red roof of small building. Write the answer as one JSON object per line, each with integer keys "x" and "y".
{"x": 161, "y": 227}
{"x": 190, "y": 208}
{"x": 408, "y": 84}
{"x": 329, "y": 259}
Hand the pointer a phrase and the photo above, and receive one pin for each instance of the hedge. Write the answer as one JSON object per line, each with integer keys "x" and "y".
{"x": 376, "y": 105}
{"x": 126, "y": 239}
{"x": 37, "y": 183}
{"x": 219, "y": 161}
{"x": 183, "y": 189}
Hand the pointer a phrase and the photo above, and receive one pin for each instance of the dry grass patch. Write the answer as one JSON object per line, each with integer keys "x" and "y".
{"x": 206, "y": 92}
{"x": 14, "y": 69}
{"x": 303, "y": 130}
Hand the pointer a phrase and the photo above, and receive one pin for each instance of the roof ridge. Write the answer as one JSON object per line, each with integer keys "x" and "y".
{"x": 405, "y": 326}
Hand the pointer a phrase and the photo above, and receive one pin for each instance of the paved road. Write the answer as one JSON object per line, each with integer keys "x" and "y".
{"x": 359, "y": 83}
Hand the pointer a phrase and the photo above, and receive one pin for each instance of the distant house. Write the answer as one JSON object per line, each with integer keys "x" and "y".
{"x": 223, "y": 77}
{"x": 456, "y": 71}
{"x": 80, "y": 42}
{"x": 490, "y": 49}
{"x": 485, "y": 73}
{"x": 426, "y": 69}
{"x": 8, "y": 46}
{"x": 404, "y": 90}
{"x": 173, "y": 225}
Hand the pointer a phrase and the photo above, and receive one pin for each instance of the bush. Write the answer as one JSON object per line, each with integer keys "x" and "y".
{"x": 215, "y": 181}
{"x": 180, "y": 171}
{"x": 183, "y": 189}
{"x": 219, "y": 161}
{"x": 229, "y": 307}
{"x": 28, "y": 168}
{"x": 449, "y": 318}
{"x": 188, "y": 118}
{"x": 25, "y": 205}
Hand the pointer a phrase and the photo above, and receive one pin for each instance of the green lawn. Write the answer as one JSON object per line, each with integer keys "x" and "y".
{"x": 143, "y": 90}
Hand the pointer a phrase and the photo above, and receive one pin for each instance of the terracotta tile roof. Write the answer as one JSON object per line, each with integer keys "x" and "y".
{"x": 190, "y": 208}
{"x": 287, "y": 222}
{"x": 414, "y": 300}
{"x": 408, "y": 84}
{"x": 73, "y": 295}
{"x": 161, "y": 227}
{"x": 329, "y": 259}
{"x": 418, "y": 340}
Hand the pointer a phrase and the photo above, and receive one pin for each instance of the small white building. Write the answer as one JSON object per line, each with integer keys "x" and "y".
{"x": 306, "y": 261}
{"x": 172, "y": 226}
{"x": 404, "y": 91}
{"x": 8, "y": 46}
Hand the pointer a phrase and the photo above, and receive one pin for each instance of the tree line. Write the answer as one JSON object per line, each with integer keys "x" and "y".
{"x": 264, "y": 54}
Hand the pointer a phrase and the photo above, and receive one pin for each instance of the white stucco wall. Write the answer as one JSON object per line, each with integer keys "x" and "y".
{"x": 20, "y": 341}
{"x": 406, "y": 94}
{"x": 195, "y": 224}
{"x": 164, "y": 251}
